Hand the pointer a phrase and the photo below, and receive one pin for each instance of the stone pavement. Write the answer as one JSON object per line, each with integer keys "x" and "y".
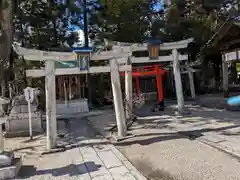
{"x": 90, "y": 158}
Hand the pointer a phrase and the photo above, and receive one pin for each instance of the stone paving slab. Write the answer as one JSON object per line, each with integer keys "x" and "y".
{"x": 110, "y": 162}
{"x": 117, "y": 153}
{"x": 101, "y": 148}
{"x": 105, "y": 177}
{"x": 134, "y": 171}
{"x": 120, "y": 172}
{"x": 109, "y": 159}
{"x": 82, "y": 169}
{"x": 98, "y": 164}
{"x": 110, "y": 166}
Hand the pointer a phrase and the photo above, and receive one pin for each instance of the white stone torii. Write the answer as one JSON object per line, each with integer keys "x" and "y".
{"x": 50, "y": 86}
{"x": 49, "y": 72}
{"x": 121, "y": 53}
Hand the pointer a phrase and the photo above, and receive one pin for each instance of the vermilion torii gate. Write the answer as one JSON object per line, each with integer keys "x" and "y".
{"x": 155, "y": 70}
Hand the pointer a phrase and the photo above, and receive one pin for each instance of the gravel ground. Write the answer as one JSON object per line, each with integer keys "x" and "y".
{"x": 181, "y": 159}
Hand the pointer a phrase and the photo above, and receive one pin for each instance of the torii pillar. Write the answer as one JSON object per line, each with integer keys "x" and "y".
{"x": 117, "y": 98}
{"x": 225, "y": 77}
{"x": 178, "y": 81}
{"x": 51, "y": 119}
{"x": 128, "y": 91}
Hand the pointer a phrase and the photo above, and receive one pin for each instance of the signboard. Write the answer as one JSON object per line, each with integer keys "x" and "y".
{"x": 29, "y": 94}
{"x": 83, "y": 57}
{"x": 84, "y": 61}
{"x": 232, "y": 56}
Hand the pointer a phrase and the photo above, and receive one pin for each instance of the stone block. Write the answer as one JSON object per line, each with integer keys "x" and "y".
{"x": 100, "y": 148}
{"x": 11, "y": 172}
{"x": 95, "y": 165}
{"x": 82, "y": 169}
{"x": 18, "y": 124}
{"x": 84, "y": 177}
{"x": 109, "y": 159}
{"x": 22, "y": 109}
{"x": 120, "y": 173}
{"x": 72, "y": 106}
{"x": 87, "y": 151}
{"x": 117, "y": 153}
{"x": 105, "y": 177}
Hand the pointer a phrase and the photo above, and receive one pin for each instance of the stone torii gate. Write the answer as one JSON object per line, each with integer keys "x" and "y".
{"x": 119, "y": 60}
{"x": 50, "y": 86}
{"x": 175, "y": 57}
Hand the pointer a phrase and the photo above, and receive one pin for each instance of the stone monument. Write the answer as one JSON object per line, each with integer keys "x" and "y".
{"x": 17, "y": 123}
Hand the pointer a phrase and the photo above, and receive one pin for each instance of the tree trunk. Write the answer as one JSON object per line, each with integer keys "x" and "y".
{"x": 6, "y": 38}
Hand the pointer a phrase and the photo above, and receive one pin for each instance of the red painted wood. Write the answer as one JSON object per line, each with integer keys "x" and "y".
{"x": 155, "y": 70}
{"x": 159, "y": 86}
{"x": 138, "y": 86}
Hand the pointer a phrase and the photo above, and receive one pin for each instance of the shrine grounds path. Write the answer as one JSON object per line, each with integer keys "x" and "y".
{"x": 201, "y": 145}
{"x": 88, "y": 156}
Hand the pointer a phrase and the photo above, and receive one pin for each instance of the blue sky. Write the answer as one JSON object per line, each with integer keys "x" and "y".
{"x": 158, "y": 5}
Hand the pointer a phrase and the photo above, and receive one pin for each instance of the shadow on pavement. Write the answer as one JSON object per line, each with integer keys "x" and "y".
{"x": 71, "y": 170}
{"x": 158, "y": 137}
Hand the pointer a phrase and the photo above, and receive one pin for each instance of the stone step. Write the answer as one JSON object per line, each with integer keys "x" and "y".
{"x": 11, "y": 172}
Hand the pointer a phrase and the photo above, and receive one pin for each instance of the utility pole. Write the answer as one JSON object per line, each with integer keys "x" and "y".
{"x": 85, "y": 22}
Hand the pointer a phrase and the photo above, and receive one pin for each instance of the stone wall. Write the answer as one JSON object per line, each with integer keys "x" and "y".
{"x": 72, "y": 107}
{"x": 18, "y": 124}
